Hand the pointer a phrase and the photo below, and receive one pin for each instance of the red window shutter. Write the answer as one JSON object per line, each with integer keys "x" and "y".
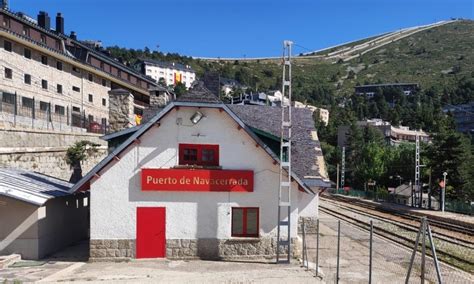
{"x": 201, "y": 160}
{"x": 245, "y": 222}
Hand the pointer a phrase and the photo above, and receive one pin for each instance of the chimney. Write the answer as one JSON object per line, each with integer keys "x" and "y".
{"x": 159, "y": 97}
{"x": 73, "y": 35}
{"x": 59, "y": 23}
{"x": 44, "y": 21}
{"x": 4, "y": 4}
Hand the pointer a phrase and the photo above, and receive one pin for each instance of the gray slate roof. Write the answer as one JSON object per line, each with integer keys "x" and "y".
{"x": 84, "y": 183}
{"x": 304, "y": 148}
{"x": 31, "y": 187}
{"x": 199, "y": 94}
{"x": 404, "y": 190}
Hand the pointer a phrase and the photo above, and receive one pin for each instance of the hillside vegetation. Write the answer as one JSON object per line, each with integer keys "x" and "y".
{"x": 438, "y": 57}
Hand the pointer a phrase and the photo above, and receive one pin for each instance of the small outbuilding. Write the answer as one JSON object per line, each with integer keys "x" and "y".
{"x": 403, "y": 194}
{"x": 39, "y": 215}
{"x": 201, "y": 179}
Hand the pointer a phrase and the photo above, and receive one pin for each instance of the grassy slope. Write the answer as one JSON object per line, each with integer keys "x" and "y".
{"x": 420, "y": 58}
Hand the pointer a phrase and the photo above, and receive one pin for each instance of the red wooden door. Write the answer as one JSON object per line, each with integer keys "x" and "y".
{"x": 151, "y": 232}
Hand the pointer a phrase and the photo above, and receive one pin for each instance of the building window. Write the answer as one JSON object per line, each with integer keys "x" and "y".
{"x": 75, "y": 69}
{"x": 58, "y": 44}
{"x": 245, "y": 222}
{"x": 26, "y": 31}
{"x": 59, "y": 110}
{"x": 27, "y": 53}
{"x": 104, "y": 82}
{"x": 119, "y": 73}
{"x": 201, "y": 155}
{"x": 8, "y": 98}
{"x": 7, "y": 45}
{"x": 43, "y": 39}
{"x": 44, "y": 106}
{"x": 91, "y": 98}
{"x": 44, "y": 84}
{"x": 104, "y": 102}
{"x": 76, "y": 89}
{"x": 8, "y": 73}
{"x": 102, "y": 65}
{"x": 91, "y": 78}
{"x": 6, "y": 22}
{"x": 59, "y": 89}
{"x": 59, "y": 65}
{"x": 44, "y": 59}
{"x": 28, "y": 79}
{"x": 27, "y": 102}
{"x": 76, "y": 109}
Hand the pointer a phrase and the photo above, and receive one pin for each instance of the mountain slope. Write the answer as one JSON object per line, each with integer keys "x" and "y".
{"x": 435, "y": 56}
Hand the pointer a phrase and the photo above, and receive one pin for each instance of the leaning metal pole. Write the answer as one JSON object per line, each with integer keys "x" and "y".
{"x": 370, "y": 252}
{"x": 338, "y": 248}
{"x": 317, "y": 246}
{"x": 412, "y": 259}
{"x": 423, "y": 252}
{"x": 435, "y": 257}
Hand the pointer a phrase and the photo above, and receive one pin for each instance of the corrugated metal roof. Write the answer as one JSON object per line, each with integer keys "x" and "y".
{"x": 31, "y": 187}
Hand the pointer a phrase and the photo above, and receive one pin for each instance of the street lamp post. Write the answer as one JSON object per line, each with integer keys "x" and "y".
{"x": 443, "y": 193}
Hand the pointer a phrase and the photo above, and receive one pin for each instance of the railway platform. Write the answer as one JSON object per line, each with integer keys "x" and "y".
{"x": 454, "y": 218}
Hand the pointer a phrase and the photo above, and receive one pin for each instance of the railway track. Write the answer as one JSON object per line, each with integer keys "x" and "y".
{"x": 458, "y": 253}
{"x": 413, "y": 223}
{"x": 462, "y": 233}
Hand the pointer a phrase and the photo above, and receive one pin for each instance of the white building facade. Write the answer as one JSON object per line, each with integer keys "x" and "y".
{"x": 171, "y": 72}
{"x": 147, "y": 201}
{"x": 52, "y": 82}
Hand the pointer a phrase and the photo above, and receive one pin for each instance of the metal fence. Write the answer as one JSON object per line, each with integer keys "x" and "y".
{"x": 347, "y": 253}
{"x": 456, "y": 206}
{"x": 30, "y": 112}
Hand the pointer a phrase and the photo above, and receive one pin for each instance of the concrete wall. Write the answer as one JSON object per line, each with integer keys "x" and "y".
{"x": 18, "y": 228}
{"x": 66, "y": 222}
{"x": 189, "y": 215}
{"x": 36, "y": 232}
{"x": 44, "y": 151}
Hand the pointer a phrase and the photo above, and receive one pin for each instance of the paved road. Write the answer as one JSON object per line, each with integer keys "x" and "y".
{"x": 161, "y": 271}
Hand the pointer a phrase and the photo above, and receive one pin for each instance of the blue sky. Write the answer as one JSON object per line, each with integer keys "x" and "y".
{"x": 233, "y": 28}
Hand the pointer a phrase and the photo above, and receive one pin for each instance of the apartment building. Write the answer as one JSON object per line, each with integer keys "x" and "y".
{"x": 394, "y": 135}
{"x": 171, "y": 72}
{"x": 46, "y": 71}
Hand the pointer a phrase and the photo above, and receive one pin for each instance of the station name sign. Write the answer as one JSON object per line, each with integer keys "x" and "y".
{"x": 197, "y": 180}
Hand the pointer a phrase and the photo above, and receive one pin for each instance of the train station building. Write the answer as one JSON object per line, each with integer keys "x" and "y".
{"x": 200, "y": 179}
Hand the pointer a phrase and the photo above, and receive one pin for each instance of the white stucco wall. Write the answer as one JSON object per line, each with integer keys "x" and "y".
{"x": 116, "y": 194}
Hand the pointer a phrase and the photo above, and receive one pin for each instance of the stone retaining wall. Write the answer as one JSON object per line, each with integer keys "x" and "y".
{"x": 193, "y": 249}
{"x": 45, "y": 151}
{"x": 111, "y": 249}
